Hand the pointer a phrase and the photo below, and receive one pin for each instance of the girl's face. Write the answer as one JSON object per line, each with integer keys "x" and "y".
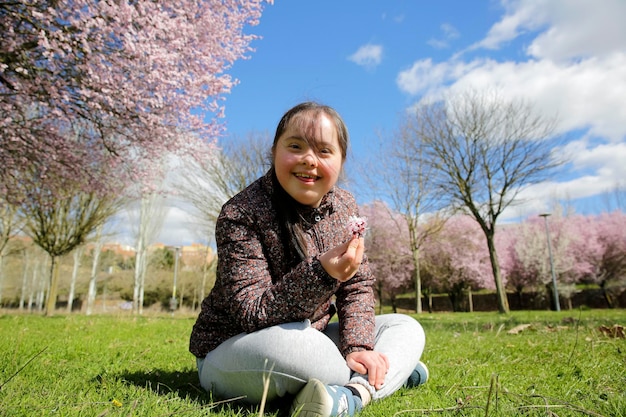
{"x": 308, "y": 158}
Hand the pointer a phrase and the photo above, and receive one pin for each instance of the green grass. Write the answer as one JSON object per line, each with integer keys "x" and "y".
{"x": 561, "y": 365}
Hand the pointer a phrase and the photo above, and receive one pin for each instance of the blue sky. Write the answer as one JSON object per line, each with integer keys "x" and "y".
{"x": 372, "y": 60}
{"x": 348, "y": 54}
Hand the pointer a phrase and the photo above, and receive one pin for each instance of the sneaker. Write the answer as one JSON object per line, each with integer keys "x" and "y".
{"x": 419, "y": 376}
{"x": 317, "y": 399}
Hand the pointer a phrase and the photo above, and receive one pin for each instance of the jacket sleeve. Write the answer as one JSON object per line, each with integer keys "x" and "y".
{"x": 356, "y": 305}
{"x": 256, "y": 300}
{"x": 355, "y": 309}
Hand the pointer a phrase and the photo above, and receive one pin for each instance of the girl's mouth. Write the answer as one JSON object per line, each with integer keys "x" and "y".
{"x": 306, "y": 177}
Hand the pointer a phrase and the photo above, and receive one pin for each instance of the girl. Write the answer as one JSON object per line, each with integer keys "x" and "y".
{"x": 287, "y": 264}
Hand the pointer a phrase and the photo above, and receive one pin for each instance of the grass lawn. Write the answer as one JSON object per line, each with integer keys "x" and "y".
{"x": 481, "y": 364}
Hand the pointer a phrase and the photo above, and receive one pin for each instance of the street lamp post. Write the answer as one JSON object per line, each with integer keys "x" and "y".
{"x": 173, "y": 301}
{"x": 554, "y": 287}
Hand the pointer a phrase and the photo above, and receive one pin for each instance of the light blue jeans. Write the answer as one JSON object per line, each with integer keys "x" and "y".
{"x": 291, "y": 354}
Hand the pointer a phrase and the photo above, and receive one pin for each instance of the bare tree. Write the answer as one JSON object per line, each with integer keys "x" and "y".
{"x": 484, "y": 150}
{"x": 410, "y": 187}
{"x": 404, "y": 181}
{"x": 59, "y": 223}
{"x": 152, "y": 213}
{"x": 207, "y": 185}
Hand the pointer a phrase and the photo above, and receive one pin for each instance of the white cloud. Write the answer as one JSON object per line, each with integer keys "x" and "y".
{"x": 424, "y": 75}
{"x": 606, "y": 159}
{"x": 572, "y": 29}
{"x": 587, "y": 94}
{"x": 449, "y": 33}
{"x": 520, "y": 16}
{"x": 368, "y": 56}
{"x": 574, "y": 70}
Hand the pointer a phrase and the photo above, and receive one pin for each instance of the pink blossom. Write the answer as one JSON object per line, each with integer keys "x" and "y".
{"x": 357, "y": 226}
{"x": 139, "y": 80}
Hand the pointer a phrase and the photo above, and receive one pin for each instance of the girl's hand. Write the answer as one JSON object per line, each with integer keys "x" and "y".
{"x": 343, "y": 261}
{"x": 368, "y": 362}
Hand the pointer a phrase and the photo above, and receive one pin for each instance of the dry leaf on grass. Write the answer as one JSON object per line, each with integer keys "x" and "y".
{"x": 616, "y": 331}
{"x": 518, "y": 329}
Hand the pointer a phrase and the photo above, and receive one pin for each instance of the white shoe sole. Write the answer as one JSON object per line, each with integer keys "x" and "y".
{"x": 312, "y": 401}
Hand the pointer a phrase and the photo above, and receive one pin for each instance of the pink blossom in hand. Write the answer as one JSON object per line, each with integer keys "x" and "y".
{"x": 357, "y": 226}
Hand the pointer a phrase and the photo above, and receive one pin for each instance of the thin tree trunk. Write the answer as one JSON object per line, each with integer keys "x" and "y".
{"x": 93, "y": 279}
{"x": 43, "y": 282}
{"x": 503, "y": 302}
{"x": 78, "y": 253}
{"x": 418, "y": 281}
{"x": 24, "y": 282}
{"x": 54, "y": 283}
{"x": 33, "y": 286}
{"x": 205, "y": 274}
{"x": 142, "y": 281}
{"x": 1, "y": 273}
{"x": 430, "y": 301}
{"x": 140, "y": 271}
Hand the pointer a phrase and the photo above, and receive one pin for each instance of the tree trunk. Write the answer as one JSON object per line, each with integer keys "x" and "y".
{"x": 1, "y": 274}
{"x": 379, "y": 292}
{"x": 54, "y": 283}
{"x": 93, "y": 279}
{"x": 503, "y": 302}
{"x": 470, "y": 300}
{"x": 139, "y": 265}
{"x": 33, "y": 286}
{"x": 430, "y": 301}
{"x": 418, "y": 281}
{"x": 78, "y": 253}
{"x": 24, "y": 282}
{"x": 607, "y": 295}
{"x": 205, "y": 273}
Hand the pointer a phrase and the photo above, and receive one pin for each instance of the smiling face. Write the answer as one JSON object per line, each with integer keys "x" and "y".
{"x": 308, "y": 157}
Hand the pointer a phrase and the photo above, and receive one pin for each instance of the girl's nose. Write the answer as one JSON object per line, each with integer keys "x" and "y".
{"x": 309, "y": 159}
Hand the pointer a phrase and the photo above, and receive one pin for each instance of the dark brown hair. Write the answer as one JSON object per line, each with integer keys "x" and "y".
{"x": 309, "y": 112}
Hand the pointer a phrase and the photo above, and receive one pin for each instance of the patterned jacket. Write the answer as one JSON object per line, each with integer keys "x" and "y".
{"x": 257, "y": 287}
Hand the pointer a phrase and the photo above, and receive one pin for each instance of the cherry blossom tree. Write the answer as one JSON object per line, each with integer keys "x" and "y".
{"x": 456, "y": 259}
{"x": 586, "y": 250}
{"x": 132, "y": 76}
{"x": 522, "y": 249}
{"x": 530, "y": 264}
{"x": 388, "y": 251}
{"x": 606, "y": 252}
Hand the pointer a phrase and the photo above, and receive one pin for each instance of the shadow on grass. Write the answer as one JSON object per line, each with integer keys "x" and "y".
{"x": 185, "y": 385}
